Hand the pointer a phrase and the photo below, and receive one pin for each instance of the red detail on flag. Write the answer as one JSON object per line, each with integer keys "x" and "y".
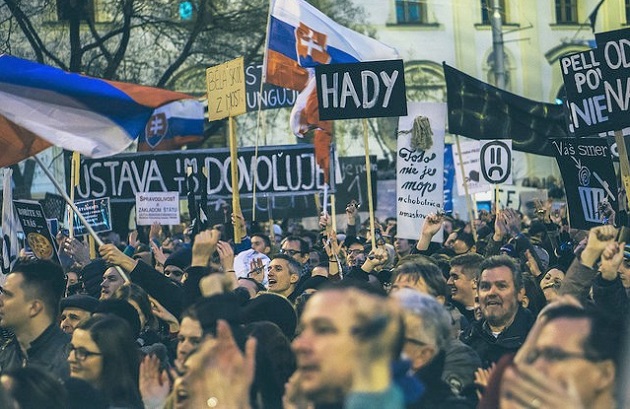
{"x": 311, "y": 43}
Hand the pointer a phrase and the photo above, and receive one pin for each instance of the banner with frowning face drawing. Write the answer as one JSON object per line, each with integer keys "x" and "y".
{"x": 589, "y": 179}
{"x": 495, "y": 159}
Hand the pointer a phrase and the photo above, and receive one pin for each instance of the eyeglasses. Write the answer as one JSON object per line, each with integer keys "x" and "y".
{"x": 355, "y": 252}
{"x": 290, "y": 252}
{"x": 81, "y": 354}
{"x": 557, "y": 355}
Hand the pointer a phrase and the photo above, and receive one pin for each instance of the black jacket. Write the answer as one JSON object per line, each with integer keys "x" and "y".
{"x": 490, "y": 349}
{"x": 48, "y": 351}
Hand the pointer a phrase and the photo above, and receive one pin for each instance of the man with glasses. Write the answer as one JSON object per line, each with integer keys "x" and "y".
{"x": 570, "y": 360}
{"x": 297, "y": 248}
{"x": 29, "y": 307}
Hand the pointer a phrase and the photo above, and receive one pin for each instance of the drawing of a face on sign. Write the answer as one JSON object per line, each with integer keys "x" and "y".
{"x": 496, "y": 162}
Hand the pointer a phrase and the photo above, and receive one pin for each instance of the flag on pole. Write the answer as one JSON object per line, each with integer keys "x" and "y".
{"x": 10, "y": 226}
{"x": 42, "y": 106}
{"x": 172, "y": 126}
{"x": 299, "y": 38}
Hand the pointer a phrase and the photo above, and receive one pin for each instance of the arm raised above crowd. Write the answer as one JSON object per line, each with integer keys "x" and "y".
{"x": 112, "y": 254}
{"x": 431, "y": 226}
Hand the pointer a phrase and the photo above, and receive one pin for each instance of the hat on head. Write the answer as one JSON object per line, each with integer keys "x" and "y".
{"x": 92, "y": 275}
{"x": 272, "y": 307}
{"x": 122, "y": 309}
{"x": 312, "y": 283}
{"x": 80, "y": 301}
{"x": 182, "y": 258}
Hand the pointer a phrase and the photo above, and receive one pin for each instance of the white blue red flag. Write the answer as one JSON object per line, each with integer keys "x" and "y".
{"x": 42, "y": 106}
{"x": 300, "y": 36}
{"x": 173, "y": 125}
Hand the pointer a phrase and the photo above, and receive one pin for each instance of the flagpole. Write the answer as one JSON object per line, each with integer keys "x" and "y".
{"x": 368, "y": 168}
{"x": 263, "y": 78}
{"x": 89, "y": 228}
{"x": 236, "y": 202}
{"x": 74, "y": 181}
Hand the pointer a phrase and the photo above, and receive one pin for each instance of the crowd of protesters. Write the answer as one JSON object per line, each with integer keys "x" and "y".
{"x": 511, "y": 311}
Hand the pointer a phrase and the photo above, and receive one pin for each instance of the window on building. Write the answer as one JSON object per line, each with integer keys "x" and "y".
{"x": 486, "y": 11}
{"x": 627, "y": 8}
{"x": 67, "y": 8}
{"x": 411, "y": 11}
{"x": 566, "y": 11}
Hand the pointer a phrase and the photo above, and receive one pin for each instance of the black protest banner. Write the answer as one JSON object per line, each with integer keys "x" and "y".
{"x": 287, "y": 178}
{"x": 271, "y": 96}
{"x": 36, "y": 230}
{"x": 96, "y": 212}
{"x": 478, "y": 110}
{"x": 361, "y": 90}
{"x": 597, "y": 85}
{"x": 589, "y": 179}
{"x": 280, "y": 170}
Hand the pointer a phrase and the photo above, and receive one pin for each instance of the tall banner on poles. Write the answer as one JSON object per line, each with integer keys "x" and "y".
{"x": 420, "y": 173}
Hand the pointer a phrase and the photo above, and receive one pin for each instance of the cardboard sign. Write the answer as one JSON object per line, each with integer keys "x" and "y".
{"x": 36, "y": 231}
{"x": 596, "y": 83}
{"x": 589, "y": 178}
{"x": 472, "y": 168}
{"x": 495, "y": 161}
{"x": 361, "y": 90}
{"x": 420, "y": 173}
{"x": 96, "y": 212}
{"x": 158, "y": 207}
{"x": 226, "y": 89}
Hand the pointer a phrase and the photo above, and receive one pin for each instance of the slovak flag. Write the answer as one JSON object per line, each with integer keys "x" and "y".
{"x": 42, "y": 106}
{"x": 300, "y": 36}
{"x": 173, "y": 125}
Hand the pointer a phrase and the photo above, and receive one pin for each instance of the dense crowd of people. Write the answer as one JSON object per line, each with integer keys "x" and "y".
{"x": 509, "y": 311}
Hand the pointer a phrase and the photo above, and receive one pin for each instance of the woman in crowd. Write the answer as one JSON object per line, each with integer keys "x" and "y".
{"x": 104, "y": 354}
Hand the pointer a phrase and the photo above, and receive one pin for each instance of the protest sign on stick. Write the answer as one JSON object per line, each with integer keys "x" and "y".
{"x": 362, "y": 90}
{"x": 597, "y": 86}
{"x": 226, "y": 99}
{"x": 589, "y": 179}
{"x": 36, "y": 230}
{"x": 420, "y": 172}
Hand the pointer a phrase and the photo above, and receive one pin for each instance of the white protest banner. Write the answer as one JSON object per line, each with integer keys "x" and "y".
{"x": 158, "y": 207}
{"x": 470, "y": 159}
{"x": 495, "y": 159}
{"x": 420, "y": 178}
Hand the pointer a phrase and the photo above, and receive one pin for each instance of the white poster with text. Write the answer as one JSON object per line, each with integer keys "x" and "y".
{"x": 158, "y": 207}
{"x": 420, "y": 173}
